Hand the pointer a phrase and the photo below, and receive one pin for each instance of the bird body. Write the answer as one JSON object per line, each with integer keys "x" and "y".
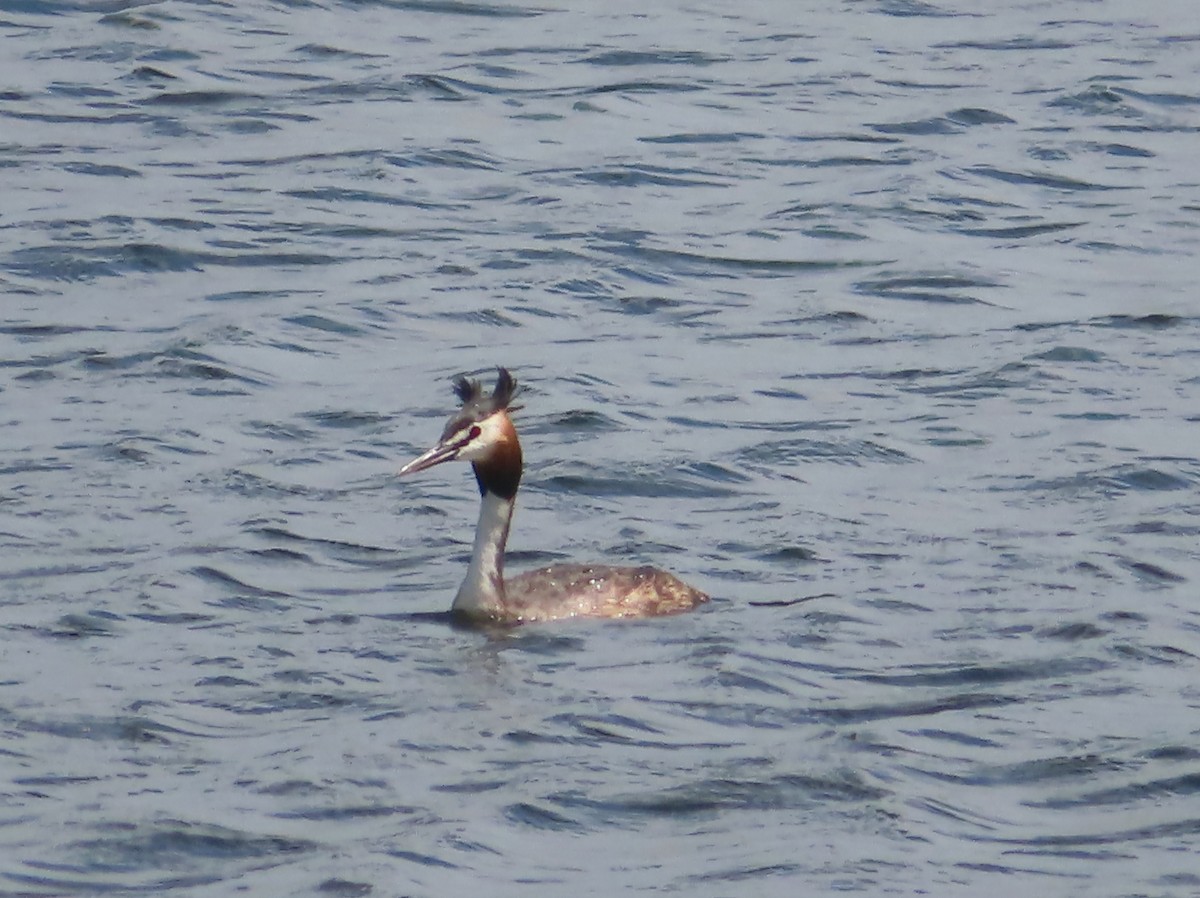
{"x": 482, "y": 433}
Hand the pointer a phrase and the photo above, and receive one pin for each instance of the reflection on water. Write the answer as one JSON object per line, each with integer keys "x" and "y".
{"x": 881, "y": 328}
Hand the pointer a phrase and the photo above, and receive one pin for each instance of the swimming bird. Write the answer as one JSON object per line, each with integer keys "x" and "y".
{"x": 482, "y": 433}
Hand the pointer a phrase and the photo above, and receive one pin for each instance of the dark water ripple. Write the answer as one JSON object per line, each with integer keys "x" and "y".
{"x": 881, "y": 327}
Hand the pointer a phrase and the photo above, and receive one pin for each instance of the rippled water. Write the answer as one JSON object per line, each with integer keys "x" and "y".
{"x": 877, "y": 320}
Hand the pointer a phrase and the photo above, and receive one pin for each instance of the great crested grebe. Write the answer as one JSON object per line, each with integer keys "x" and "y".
{"x": 482, "y": 433}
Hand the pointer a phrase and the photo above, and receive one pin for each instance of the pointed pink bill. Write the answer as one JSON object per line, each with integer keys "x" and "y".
{"x": 441, "y": 452}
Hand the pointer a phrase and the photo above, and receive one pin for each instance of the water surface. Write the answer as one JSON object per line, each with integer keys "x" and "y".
{"x": 877, "y": 321}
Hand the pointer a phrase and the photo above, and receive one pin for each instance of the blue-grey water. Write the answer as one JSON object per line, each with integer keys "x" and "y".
{"x": 876, "y": 320}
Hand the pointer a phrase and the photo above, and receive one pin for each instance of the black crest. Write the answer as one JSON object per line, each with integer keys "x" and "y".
{"x": 478, "y": 405}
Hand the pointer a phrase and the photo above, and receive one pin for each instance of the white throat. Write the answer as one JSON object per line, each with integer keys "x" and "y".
{"x": 482, "y": 592}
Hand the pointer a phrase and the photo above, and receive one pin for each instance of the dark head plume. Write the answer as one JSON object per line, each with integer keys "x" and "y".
{"x": 474, "y": 401}
{"x": 476, "y": 405}
{"x": 466, "y": 390}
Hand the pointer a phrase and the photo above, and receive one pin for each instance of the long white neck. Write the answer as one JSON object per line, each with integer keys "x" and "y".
{"x": 482, "y": 592}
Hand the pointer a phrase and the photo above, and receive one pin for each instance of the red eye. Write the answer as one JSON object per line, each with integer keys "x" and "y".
{"x": 475, "y": 431}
